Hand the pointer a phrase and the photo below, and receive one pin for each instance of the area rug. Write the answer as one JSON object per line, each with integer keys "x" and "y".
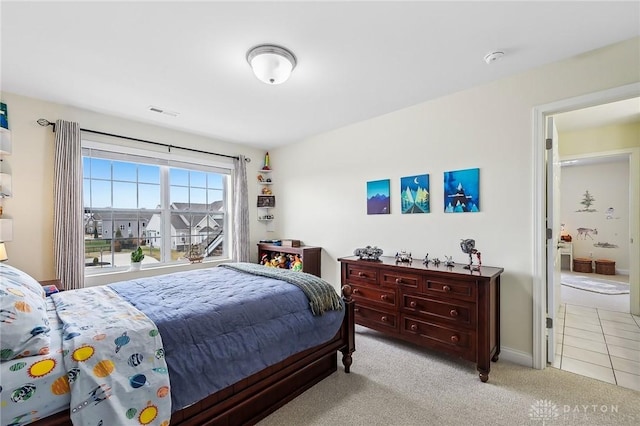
{"x": 596, "y": 285}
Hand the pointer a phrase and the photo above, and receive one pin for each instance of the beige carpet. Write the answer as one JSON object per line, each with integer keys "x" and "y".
{"x": 393, "y": 383}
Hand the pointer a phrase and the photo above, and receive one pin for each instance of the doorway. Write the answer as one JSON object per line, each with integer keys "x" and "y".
{"x": 541, "y": 335}
{"x": 595, "y": 334}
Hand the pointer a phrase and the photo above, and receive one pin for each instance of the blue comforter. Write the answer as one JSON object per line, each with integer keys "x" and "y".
{"x": 219, "y": 326}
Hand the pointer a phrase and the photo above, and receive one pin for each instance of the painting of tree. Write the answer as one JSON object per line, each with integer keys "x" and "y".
{"x": 587, "y": 201}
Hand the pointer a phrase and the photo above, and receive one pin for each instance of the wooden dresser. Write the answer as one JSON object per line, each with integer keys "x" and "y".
{"x": 448, "y": 309}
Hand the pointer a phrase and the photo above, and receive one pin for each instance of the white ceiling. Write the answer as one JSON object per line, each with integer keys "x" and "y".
{"x": 356, "y": 60}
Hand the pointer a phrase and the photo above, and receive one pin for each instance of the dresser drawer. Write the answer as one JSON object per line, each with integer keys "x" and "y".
{"x": 362, "y": 274}
{"x": 375, "y": 318}
{"x": 465, "y": 290}
{"x": 394, "y": 279}
{"x": 449, "y": 311}
{"x": 430, "y": 334}
{"x": 384, "y": 297}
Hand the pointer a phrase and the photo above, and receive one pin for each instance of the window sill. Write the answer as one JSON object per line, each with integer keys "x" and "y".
{"x": 102, "y": 278}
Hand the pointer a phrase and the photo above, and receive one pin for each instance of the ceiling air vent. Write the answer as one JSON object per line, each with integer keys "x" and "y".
{"x": 163, "y": 111}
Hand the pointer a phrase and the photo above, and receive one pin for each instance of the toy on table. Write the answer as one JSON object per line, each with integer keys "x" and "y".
{"x": 296, "y": 264}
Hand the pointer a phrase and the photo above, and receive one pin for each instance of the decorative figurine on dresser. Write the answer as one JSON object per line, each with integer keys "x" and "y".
{"x": 368, "y": 253}
{"x": 403, "y": 256}
{"x": 469, "y": 246}
{"x": 452, "y": 310}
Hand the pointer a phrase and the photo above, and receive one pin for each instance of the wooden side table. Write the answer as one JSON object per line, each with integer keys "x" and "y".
{"x": 55, "y": 282}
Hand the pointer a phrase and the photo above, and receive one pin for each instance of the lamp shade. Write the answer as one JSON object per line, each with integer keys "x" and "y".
{"x": 271, "y": 64}
{"x": 3, "y": 253}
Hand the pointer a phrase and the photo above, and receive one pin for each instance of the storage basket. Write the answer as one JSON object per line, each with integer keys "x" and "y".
{"x": 605, "y": 267}
{"x": 581, "y": 264}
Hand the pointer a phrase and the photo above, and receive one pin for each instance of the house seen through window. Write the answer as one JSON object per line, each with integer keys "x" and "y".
{"x": 168, "y": 208}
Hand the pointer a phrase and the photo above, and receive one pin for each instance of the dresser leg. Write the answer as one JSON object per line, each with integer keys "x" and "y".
{"x": 495, "y": 358}
{"x": 484, "y": 377}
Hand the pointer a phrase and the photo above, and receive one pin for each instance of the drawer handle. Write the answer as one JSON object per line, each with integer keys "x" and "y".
{"x": 384, "y": 318}
{"x": 413, "y": 304}
{"x": 356, "y": 309}
{"x": 414, "y": 327}
{"x": 446, "y": 289}
{"x": 384, "y": 297}
{"x": 455, "y": 339}
{"x": 453, "y": 313}
{"x": 355, "y": 290}
{"x": 398, "y": 280}
{"x": 362, "y": 274}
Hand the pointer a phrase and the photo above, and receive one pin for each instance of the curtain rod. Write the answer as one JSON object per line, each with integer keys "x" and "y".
{"x": 44, "y": 122}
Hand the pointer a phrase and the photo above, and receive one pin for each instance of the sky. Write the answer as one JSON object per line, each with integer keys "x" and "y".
{"x": 119, "y": 184}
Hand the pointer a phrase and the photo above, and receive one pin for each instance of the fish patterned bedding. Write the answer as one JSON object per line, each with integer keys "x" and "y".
{"x": 212, "y": 327}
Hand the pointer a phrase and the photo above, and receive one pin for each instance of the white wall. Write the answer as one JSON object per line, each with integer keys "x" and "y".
{"x": 321, "y": 181}
{"x": 608, "y": 184}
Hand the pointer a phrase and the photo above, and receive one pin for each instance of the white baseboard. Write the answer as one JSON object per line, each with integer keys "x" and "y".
{"x": 516, "y": 356}
{"x": 622, "y": 272}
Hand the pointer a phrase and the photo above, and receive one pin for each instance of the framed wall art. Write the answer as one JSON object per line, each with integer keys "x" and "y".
{"x": 379, "y": 197}
{"x": 462, "y": 191}
{"x": 266, "y": 200}
{"x": 414, "y": 194}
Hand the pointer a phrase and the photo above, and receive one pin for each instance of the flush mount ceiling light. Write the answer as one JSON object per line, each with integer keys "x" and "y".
{"x": 270, "y": 63}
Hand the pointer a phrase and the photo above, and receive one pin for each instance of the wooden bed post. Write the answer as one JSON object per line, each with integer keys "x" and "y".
{"x": 348, "y": 327}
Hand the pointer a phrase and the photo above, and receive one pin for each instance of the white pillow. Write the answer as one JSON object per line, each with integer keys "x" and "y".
{"x": 24, "y": 325}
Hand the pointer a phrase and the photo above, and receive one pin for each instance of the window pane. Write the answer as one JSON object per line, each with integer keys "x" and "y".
{"x": 149, "y": 196}
{"x": 124, "y": 195}
{"x": 214, "y": 195}
{"x": 100, "y": 193}
{"x": 86, "y": 167}
{"x": 198, "y": 199}
{"x": 86, "y": 192}
{"x": 124, "y": 171}
{"x": 198, "y": 179}
{"x": 178, "y": 177}
{"x": 215, "y": 180}
{"x": 148, "y": 174}
{"x": 179, "y": 194}
{"x": 100, "y": 169}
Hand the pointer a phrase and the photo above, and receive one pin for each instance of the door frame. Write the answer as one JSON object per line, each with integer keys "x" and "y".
{"x": 539, "y": 284}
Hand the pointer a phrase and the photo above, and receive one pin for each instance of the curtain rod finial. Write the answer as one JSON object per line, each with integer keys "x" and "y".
{"x": 44, "y": 123}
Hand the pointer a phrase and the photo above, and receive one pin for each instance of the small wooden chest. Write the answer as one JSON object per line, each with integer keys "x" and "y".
{"x": 605, "y": 267}
{"x": 581, "y": 264}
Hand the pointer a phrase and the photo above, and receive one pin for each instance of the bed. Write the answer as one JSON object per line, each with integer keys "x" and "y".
{"x": 246, "y": 370}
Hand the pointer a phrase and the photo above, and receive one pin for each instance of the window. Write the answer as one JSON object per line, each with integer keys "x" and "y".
{"x": 169, "y": 208}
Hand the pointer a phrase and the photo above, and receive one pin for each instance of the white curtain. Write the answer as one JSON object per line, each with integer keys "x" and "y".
{"x": 240, "y": 246}
{"x": 68, "y": 232}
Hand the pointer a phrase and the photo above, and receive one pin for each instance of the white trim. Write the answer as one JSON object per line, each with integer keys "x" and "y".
{"x": 223, "y": 163}
{"x": 515, "y": 356}
{"x": 539, "y": 216}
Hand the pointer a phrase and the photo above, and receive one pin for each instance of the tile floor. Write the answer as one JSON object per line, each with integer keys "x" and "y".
{"x": 599, "y": 343}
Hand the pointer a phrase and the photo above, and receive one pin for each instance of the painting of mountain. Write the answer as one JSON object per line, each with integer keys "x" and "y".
{"x": 414, "y": 194}
{"x": 462, "y": 191}
{"x": 378, "y": 197}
